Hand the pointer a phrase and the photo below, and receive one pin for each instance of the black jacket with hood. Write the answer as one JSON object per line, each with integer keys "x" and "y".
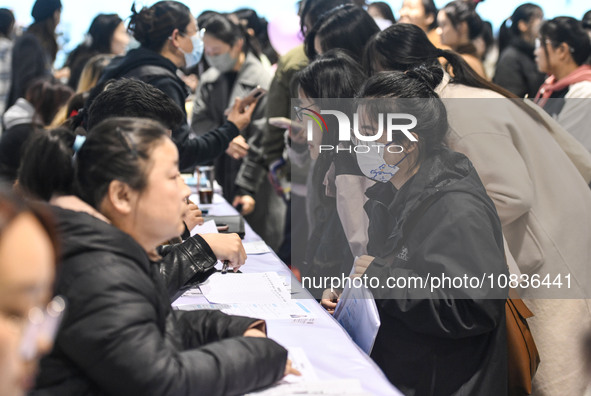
{"x": 154, "y": 69}
{"x": 445, "y": 342}
{"x": 121, "y": 337}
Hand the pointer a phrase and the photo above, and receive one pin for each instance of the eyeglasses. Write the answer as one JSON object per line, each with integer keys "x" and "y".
{"x": 538, "y": 44}
{"x": 41, "y": 325}
{"x": 300, "y": 110}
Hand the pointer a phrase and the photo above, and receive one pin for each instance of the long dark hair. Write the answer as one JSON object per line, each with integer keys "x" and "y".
{"x": 333, "y": 75}
{"x": 510, "y": 28}
{"x": 347, "y": 27}
{"x": 152, "y": 26}
{"x": 44, "y": 31}
{"x": 570, "y": 31}
{"x": 53, "y": 147}
{"x": 404, "y": 47}
{"x": 223, "y": 29}
{"x": 251, "y": 20}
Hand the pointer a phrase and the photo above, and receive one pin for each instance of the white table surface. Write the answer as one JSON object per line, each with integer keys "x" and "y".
{"x": 328, "y": 346}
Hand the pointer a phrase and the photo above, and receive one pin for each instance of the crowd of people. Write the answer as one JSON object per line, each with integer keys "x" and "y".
{"x": 493, "y": 178}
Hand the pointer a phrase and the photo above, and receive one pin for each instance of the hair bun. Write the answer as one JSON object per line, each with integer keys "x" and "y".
{"x": 430, "y": 76}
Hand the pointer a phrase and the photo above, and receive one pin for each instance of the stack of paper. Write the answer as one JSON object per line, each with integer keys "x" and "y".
{"x": 264, "y": 287}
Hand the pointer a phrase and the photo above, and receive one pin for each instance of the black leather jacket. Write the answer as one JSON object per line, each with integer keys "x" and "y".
{"x": 184, "y": 263}
{"x": 121, "y": 337}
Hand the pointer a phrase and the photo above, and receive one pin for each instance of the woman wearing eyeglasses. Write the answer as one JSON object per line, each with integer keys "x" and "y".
{"x": 562, "y": 51}
{"x": 26, "y": 278}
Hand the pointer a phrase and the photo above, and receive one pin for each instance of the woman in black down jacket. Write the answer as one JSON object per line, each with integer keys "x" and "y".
{"x": 120, "y": 335}
{"x": 430, "y": 215}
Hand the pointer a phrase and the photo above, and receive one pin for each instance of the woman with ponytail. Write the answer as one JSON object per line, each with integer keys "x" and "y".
{"x": 428, "y": 198}
{"x": 459, "y": 25}
{"x": 527, "y": 175}
{"x": 516, "y": 69}
{"x": 562, "y": 51}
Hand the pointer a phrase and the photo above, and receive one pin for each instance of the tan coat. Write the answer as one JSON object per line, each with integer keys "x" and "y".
{"x": 545, "y": 209}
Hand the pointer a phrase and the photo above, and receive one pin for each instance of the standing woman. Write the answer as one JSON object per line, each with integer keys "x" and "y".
{"x": 107, "y": 35}
{"x": 33, "y": 54}
{"x": 459, "y": 24}
{"x": 426, "y": 200}
{"x": 526, "y": 174}
{"x": 235, "y": 71}
{"x": 517, "y": 71}
{"x": 334, "y": 187}
{"x": 120, "y": 335}
{"x": 169, "y": 40}
{"x": 562, "y": 51}
{"x": 422, "y": 13}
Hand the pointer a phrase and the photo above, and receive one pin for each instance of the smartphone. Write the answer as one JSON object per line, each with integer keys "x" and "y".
{"x": 252, "y": 97}
{"x": 280, "y": 122}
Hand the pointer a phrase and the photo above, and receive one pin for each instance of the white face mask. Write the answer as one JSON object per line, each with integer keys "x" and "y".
{"x": 373, "y": 165}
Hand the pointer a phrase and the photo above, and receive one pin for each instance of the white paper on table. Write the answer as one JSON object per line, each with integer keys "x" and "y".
{"x": 358, "y": 314}
{"x": 263, "y": 287}
{"x": 256, "y": 247}
{"x": 208, "y": 227}
{"x": 349, "y": 387}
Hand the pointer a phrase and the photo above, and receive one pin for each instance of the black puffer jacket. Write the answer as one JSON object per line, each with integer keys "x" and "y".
{"x": 441, "y": 220}
{"x": 120, "y": 336}
{"x": 154, "y": 69}
{"x": 517, "y": 71}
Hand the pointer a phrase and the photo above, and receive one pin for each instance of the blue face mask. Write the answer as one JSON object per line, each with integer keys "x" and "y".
{"x": 193, "y": 57}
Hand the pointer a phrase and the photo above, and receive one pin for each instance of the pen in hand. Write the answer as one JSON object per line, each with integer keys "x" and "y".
{"x": 225, "y": 266}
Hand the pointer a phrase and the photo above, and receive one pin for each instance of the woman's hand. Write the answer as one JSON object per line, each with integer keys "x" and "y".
{"x": 238, "y": 148}
{"x": 248, "y": 203}
{"x": 227, "y": 247}
{"x": 329, "y": 300}
{"x": 290, "y": 370}
{"x": 193, "y": 217}
{"x": 361, "y": 265}
{"x": 241, "y": 119}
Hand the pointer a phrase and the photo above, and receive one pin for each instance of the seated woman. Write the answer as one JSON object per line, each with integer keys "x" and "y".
{"x": 120, "y": 335}
{"x": 429, "y": 215}
{"x": 183, "y": 263}
{"x": 26, "y": 278}
{"x": 562, "y": 51}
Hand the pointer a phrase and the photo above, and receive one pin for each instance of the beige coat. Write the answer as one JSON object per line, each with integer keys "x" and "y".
{"x": 545, "y": 208}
